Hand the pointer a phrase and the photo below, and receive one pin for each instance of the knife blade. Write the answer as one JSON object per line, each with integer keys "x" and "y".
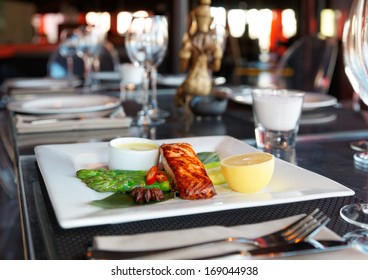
{"x": 288, "y": 250}
{"x": 294, "y": 249}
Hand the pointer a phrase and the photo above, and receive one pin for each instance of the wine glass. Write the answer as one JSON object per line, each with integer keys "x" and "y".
{"x": 146, "y": 45}
{"x": 355, "y": 50}
{"x": 90, "y": 45}
{"x": 68, "y": 48}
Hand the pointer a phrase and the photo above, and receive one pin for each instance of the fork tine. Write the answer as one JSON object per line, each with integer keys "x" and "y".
{"x": 300, "y": 223}
{"x": 309, "y": 229}
{"x": 312, "y": 231}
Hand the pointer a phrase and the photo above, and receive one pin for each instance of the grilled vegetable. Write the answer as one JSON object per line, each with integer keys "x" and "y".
{"x": 211, "y": 162}
{"x": 104, "y": 180}
{"x": 151, "y": 175}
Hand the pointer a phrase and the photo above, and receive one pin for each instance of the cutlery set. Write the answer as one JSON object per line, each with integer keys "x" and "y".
{"x": 279, "y": 251}
{"x": 292, "y": 240}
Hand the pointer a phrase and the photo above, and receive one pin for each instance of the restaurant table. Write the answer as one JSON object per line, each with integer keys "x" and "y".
{"x": 322, "y": 147}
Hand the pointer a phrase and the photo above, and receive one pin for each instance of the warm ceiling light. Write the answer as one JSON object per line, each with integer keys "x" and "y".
{"x": 237, "y": 21}
{"x": 288, "y": 23}
{"x": 219, "y": 15}
{"x": 140, "y": 14}
{"x": 123, "y": 22}
{"x": 99, "y": 19}
{"x": 328, "y": 23}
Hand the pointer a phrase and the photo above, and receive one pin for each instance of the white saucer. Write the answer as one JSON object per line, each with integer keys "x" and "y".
{"x": 312, "y": 100}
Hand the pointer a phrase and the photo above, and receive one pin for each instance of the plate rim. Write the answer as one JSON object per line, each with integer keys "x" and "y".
{"x": 217, "y": 80}
{"x": 16, "y": 105}
{"x": 327, "y": 101}
{"x": 59, "y": 83}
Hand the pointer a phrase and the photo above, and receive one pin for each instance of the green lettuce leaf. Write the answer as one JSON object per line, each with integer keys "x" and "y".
{"x": 208, "y": 157}
{"x": 123, "y": 200}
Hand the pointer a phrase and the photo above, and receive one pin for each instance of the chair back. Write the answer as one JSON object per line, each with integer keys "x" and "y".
{"x": 308, "y": 65}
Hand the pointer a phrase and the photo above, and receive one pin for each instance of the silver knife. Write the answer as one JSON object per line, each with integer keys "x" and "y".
{"x": 287, "y": 250}
{"x": 294, "y": 249}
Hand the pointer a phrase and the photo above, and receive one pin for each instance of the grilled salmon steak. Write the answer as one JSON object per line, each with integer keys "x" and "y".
{"x": 185, "y": 168}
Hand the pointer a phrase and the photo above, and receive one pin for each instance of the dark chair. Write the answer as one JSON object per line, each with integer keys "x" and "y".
{"x": 57, "y": 66}
{"x": 308, "y": 64}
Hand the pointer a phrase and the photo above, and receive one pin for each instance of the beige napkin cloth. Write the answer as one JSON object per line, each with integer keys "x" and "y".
{"x": 168, "y": 239}
{"x": 35, "y": 124}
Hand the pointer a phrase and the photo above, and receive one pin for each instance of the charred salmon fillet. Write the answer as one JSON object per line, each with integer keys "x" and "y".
{"x": 185, "y": 168}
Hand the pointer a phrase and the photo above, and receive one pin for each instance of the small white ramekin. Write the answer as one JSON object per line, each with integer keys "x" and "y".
{"x": 124, "y": 159}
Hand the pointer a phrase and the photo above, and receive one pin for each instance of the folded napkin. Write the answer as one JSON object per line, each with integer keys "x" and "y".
{"x": 169, "y": 239}
{"x": 53, "y": 123}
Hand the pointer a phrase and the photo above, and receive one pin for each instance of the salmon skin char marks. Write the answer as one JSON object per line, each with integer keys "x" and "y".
{"x": 187, "y": 171}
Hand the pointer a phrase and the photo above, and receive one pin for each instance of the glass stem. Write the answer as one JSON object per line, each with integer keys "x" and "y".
{"x": 69, "y": 62}
{"x": 143, "y": 115}
{"x": 154, "y": 104}
{"x": 88, "y": 63}
{"x": 146, "y": 83}
{"x": 96, "y": 63}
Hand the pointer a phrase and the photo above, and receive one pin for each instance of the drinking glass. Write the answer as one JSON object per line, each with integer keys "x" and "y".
{"x": 131, "y": 80}
{"x": 355, "y": 50}
{"x": 68, "y": 48}
{"x": 146, "y": 45}
{"x": 276, "y": 117}
{"x": 90, "y": 45}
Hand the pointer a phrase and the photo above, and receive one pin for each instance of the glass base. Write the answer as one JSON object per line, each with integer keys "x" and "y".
{"x": 270, "y": 140}
{"x": 144, "y": 118}
{"x": 356, "y": 214}
{"x": 360, "y": 146}
{"x": 157, "y": 113}
{"x": 359, "y": 239}
{"x": 361, "y": 160}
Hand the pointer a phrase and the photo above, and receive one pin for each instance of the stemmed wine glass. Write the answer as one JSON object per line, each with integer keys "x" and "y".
{"x": 146, "y": 45}
{"x": 355, "y": 50}
{"x": 68, "y": 48}
{"x": 90, "y": 44}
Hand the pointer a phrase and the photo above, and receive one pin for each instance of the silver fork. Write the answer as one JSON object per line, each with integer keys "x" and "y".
{"x": 302, "y": 229}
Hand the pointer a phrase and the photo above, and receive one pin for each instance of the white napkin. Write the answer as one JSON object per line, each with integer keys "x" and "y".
{"x": 168, "y": 239}
{"x": 35, "y": 124}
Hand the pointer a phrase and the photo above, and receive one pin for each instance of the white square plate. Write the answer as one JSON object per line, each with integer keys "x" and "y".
{"x": 70, "y": 197}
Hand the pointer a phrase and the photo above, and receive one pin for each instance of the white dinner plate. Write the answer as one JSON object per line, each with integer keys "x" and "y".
{"x": 318, "y": 100}
{"x": 312, "y": 100}
{"x": 76, "y": 104}
{"x": 177, "y": 80}
{"x": 40, "y": 83}
{"x": 70, "y": 197}
{"x": 317, "y": 118}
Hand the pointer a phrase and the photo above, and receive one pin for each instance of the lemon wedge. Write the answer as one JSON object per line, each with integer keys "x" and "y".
{"x": 248, "y": 173}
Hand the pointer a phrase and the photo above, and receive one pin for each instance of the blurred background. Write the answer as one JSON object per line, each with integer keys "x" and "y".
{"x": 259, "y": 32}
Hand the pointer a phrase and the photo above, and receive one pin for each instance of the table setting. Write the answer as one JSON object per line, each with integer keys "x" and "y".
{"x": 29, "y": 88}
{"x": 96, "y": 226}
{"x": 192, "y": 227}
{"x": 59, "y": 136}
{"x": 65, "y": 113}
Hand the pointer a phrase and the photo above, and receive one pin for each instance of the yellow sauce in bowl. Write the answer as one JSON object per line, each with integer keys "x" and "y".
{"x": 136, "y": 146}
